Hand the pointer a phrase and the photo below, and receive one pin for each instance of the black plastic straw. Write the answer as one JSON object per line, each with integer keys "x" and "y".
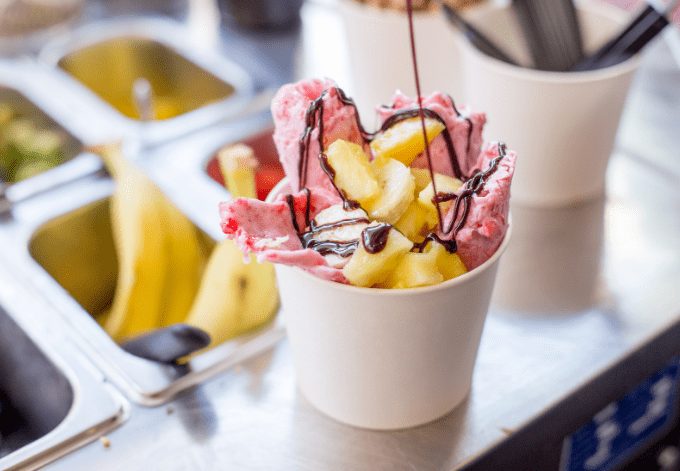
{"x": 476, "y": 37}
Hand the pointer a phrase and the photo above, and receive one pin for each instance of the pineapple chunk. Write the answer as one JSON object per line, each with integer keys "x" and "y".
{"x": 415, "y": 221}
{"x": 449, "y": 264}
{"x": 413, "y": 270}
{"x": 445, "y": 184}
{"x": 353, "y": 173}
{"x": 404, "y": 141}
{"x": 397, "y": 191}
{"x": 367, "y": 269}
{"x": 422, "y": 176}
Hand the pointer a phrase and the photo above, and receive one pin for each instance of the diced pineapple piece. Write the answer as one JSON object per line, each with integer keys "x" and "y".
{"x": 449, "y": 264}
{"x": 445, "y": 184}
{"x": 397, "y": 187}
{"x": 353, "y": 172}
{"x": 415, "y": 221}
{"x": 404, "y": 141}
{"x": 367, "y": 269}
{"x": 422, "y": 176}
{"x": 413, "y": 270}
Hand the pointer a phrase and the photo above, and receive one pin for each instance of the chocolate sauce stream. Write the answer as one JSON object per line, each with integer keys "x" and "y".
{"x": 374, "y": 238}
{"x": 412, "y": 37}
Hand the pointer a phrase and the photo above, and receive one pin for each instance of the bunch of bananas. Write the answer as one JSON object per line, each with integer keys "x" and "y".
{"x": 165, "y": 275}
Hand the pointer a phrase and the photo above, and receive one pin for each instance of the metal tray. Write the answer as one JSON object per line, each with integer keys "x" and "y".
{"x": 54, "y": 239}
{"x": 31, "y": 89}
{"x": 61, "y": 401}
{"x": 161, "y": 51}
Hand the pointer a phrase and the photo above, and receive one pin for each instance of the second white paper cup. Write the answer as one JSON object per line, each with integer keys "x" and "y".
{"x": 385, "y": 359}
{"x": 562, "y": 125}
{"x": 380, "y": 56}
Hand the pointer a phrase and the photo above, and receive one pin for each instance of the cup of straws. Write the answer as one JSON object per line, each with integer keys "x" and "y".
{"x": 554, "y": 76}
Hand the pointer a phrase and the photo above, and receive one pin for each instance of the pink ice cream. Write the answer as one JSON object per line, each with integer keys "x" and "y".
{"x": 487, "y": 220}
{"x": 289, "y": 108}
{"x": 266, "y": 228}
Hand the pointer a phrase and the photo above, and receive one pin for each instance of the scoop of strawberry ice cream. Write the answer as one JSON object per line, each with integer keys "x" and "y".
{"x": 289, "y": 109}
{"x": 465, "y": 130}
{"x": 487, "y": 220}
{"x": 268, "y": 229}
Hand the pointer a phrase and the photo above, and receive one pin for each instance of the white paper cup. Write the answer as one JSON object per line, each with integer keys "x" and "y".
{"x": 385, "y": 359}
{"x": 380, "y": 56}
{"x": 562, "y": 124}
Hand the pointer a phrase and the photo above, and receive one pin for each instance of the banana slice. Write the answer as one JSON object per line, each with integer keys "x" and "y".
{"x": 397, "y": 191}
{"x": 336, "y": 224}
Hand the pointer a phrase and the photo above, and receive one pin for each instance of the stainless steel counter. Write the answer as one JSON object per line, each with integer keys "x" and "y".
{"x": 579, "y": 290}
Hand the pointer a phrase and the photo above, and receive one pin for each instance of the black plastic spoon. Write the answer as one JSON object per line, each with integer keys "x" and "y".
{"x": 169, "y": 344}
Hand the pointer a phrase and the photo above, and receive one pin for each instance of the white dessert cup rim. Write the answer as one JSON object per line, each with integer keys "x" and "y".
{"x": 546, "y": 76}
{"x": 372, "y": 9}
{"x": 401, "y": 291}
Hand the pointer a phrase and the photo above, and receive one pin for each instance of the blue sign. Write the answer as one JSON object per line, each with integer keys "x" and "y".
{"x": 625, "y": 427}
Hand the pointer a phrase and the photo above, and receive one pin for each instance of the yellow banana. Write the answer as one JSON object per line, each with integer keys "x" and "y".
{"x": 235, "y": 297}
{"x": 186, "y": 265}
{"x": 159, "y": 253}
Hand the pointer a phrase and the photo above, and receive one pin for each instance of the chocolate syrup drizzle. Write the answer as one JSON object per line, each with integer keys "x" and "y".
{"x": 374, "y": 238}
{"x": 325, "y": 247}
{"x": 472, "y": 186}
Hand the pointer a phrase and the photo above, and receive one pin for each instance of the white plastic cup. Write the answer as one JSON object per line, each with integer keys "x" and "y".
{"x": 562, "y": 124}
{"x": 380, "y": 58}
{"x": 385, "y": 359}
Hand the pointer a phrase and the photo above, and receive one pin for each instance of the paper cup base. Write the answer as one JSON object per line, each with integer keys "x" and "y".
{"x": 385, "y": 359}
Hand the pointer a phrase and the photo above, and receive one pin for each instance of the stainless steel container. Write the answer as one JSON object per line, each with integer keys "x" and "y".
{"x": 62, "y": 243}
{"x": 61, "y": 402}
{"x": 33, "y": 90}
{"x": 191, "y": 86}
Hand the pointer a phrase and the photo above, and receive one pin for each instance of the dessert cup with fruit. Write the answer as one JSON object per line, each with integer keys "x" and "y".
{"x": 385, "y": 247}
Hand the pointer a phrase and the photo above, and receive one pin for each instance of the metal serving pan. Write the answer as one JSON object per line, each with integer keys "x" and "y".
{"x": 55, "y": 240}
{"x": 59, "y": 401}
{"x": 31, "y": 89}
{"x": 192, "y": 85}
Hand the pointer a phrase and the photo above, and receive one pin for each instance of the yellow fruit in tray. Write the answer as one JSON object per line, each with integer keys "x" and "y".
{"x": 414, "y": 221}
{"x": 159, "y": 252}
{"x": 397, "y": 188}
{"x": 237, "y": 164}
{"x": 449, "y": 264}
{"x": 367, "y": 269}
{"x": 404, "y": 141}
{"x": 413, "y": 270}
{"x": 234, "y": 297}
{"x": 353, "y": 173}
{"x": 445, "y": 184}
